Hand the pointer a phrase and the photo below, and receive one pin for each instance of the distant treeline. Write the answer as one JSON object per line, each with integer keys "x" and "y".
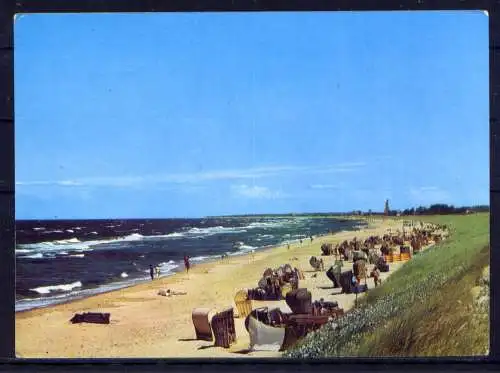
{"x": 442, "y": 209}
{"x": 439, "y": 209}
{"x": 436, "y": 209}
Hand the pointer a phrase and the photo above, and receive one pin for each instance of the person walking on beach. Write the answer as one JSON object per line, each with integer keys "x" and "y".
{"x": 157, "y": 270}
{"x": 151, "y": 272}
{"x": 186, "y": 263}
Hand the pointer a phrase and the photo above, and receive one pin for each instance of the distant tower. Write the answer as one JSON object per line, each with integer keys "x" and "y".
{"x": 386, "y": 208}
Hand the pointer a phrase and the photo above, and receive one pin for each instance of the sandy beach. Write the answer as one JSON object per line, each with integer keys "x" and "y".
{"x": 146, "y": 325}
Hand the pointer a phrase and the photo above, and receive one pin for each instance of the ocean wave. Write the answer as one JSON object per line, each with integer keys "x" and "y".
{"x": 75, "y": 244}
{"x": 22, "y": 251}
{"x": 34, "y": 256}
{"x": 216, "y": 230}
{"x": 267, "y": 236}
{"x": 51, "y": 288}
{"x": 77, "y": 255}
{"x": 124, "y": 275}
{"x": 39, "y": 229}
{"x": 70, "y": 231}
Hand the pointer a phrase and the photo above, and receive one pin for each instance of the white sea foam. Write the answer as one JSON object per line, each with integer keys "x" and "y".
{"x": 51, "y": 288}
{"x": 77, "y": 255}
{"x": 124, "y": 275}
{"x": 39, "y": 229}
{"x": 22, "y": 251}
{"x": 216, "y": 230}
{"x": 34, "y": 256}
{"x": 70, "y": 231}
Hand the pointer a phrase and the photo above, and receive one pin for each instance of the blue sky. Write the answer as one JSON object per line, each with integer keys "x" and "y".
{"x": 188, "y": 115}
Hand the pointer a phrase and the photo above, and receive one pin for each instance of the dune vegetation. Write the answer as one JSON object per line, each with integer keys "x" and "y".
{"x": 437, "y": 304}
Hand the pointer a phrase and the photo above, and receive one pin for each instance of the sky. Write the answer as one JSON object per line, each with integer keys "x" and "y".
{"x": 198, "y": 114}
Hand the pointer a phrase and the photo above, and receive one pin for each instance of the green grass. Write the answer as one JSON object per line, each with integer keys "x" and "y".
{"x": 424, "y": 309}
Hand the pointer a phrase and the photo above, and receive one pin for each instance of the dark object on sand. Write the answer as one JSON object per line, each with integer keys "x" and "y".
{"x": 256, "y": 294}
{"x": 91, "y": 317}
{"x": 316, "y": 264}
{"x": 327, "y": 249}
{"x": 346, "y": 282}
{"x": 333, "y": 277}
{"x": 223, "y": 328}
{"x": 299, "y": 301}
{"x": 360, "y": 289}
{"x": 404, "y": 250}
{"x": 382, "y": 265}
{"x": 201, "y": 324}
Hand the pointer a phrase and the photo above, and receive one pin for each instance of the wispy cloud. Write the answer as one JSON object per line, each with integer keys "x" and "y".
{"x": 429, "y": 194}
{"x": 257, "y": 192}
{"x": 196, "y": 177}
{"x": 325, "y": 186}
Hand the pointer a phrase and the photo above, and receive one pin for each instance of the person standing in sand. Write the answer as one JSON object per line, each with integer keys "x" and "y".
{"x": 186, "y": 263}
{"x": 151, "y": 272}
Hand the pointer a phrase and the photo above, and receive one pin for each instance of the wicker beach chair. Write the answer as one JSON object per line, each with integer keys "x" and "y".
{"x": 268, "y": 273}
{"x": 223, "y": 328}
{"x": 201, "y": 322}
{"x": 299, "y": 273}
{"x": 305, "y": 323}
{"x": 346, "y": 282}
{"x": 316, "y": 264}
{"x": 264, "y": 337}
{"x": 333, "y": 276}
{"x": 299, "y": 301}
{"x": 285, "y": 289}
{"x": 243, "y": 303}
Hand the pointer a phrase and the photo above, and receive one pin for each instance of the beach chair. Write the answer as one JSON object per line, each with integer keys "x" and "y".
{"x": 285, "y": 289}
{"x": 264, "y": 337}
{"x": 261, "y": 314}
{"x": 405, "y": 257}
{"x": 316, "y": 264}
{"x": 299, "y": 301}
{"x": 332, "y": 274}
{"x": 305, "y": 323}
{"x": 346, "y": 282}
{"x": 299, "y": 273}
{"x": 268, "y": 273}
{"x": 243, "y": 303}
{"x": 201, "y": 322}
{"x": 223, "y": 328}
{"x": 396, "y": 257}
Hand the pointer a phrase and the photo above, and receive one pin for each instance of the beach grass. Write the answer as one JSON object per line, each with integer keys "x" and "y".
{"x": 437, "y": 304}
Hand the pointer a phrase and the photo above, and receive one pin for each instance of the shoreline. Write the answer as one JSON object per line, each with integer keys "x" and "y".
{"x": 138, "y": 281}
{"x": 144, "y": 324}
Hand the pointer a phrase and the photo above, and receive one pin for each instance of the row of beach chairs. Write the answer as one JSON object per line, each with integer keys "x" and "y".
{"x": 269, "y": 329}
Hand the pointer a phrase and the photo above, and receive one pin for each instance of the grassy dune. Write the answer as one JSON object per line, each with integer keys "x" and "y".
{"x": 437, "y": 304}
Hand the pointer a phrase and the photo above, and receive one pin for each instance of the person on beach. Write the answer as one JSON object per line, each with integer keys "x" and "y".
{"x": 301, "y": 242}
{"x": 311, "y": 237}
{"x": 157, "y": 270}
{"x": 186, "y": 263}
{"x": 376, "y": 276}
{"x": 151, "y": 272}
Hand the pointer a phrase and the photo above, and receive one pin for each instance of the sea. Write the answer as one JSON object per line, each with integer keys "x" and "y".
{"x": 61, "y": 260}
